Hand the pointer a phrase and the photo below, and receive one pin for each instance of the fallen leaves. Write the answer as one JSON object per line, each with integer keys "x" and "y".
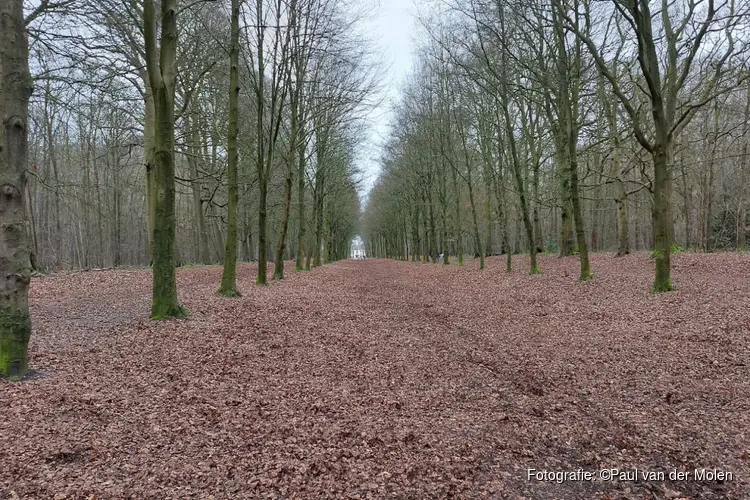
{"x": 371, "y": 379}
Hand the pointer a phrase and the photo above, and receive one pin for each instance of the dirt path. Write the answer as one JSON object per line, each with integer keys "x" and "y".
{"x": 384, "y": 379}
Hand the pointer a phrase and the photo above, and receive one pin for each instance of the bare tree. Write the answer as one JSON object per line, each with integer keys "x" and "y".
{"x": 229, "y": 276}
{"x": 161, "y": 64}
{"x": 674, "y": 89}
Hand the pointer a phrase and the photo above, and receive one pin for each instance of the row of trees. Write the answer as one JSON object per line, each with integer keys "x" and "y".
{"x": 570, "y": 126}
{"x": 172, "y": 131}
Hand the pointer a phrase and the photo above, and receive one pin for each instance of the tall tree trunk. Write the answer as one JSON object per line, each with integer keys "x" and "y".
{"x": 459, "y": 231}
{"x": 568, "y": 114}
{"x": 228, "y": 285}
{"x": 578, "y": 218}
{"x": 444, "y": 224}
{"x": 477, "y": 237}
{"x": 686, "y": 201}
{"x": 538, "y": 236}
{"x": 515, "y": 160}
{"x": 524, "y": 206}
{"x": 709, "y": 192}
{"x": 426, "y": 241}
{"x": 278, "y": 270}
{"x": 116, "y": 213}
{"x": 310, "y": 249}
{"x": 15, "y": 264}
{"x": 621, "y": 193}
{"x": 295, "y": 97}
{"x": 196, "y": 186}
{"x": 85, "y": 196}
{"x": 433, "y": 234}
{"x": 415, "y": 233}
{"x": 744, "y": 167}
{"x": 148, "y": 160}
{"x": 319, "y": 192}
{"x": 162, "y": 69}
{"x": 488, "y": 208}
{"x": 662, "y": 156}
{"x": 596, "y": 203}
{"x": 566, "y": 219}
{"x": 51, "y": 150}
{"x": 262, "y": 230}
{"x": 298, "y": 265}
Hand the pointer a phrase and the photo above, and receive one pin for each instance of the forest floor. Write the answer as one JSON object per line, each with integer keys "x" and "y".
{"x": 382, "y": 379}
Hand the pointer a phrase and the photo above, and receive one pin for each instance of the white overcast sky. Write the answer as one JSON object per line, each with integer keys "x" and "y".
{"x": 393, "y": 30}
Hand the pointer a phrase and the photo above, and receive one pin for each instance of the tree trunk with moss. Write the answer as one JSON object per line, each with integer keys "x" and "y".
{"x": 523, "y": 203}
{"x": 229, "y": 274}
{"x": 488, "y": 211}
{"x": 15, "y": 260}
{"x": 162, "y": 69}
{"x": 319, "y": 194}
{"x": 148, "y": 161}
{"x": 516, "y": 161}
{"x": 299, "y": 263}
{"x": 666, "y": 70}
{"x": 567, "y": 108}
{"x": 662, "y": 217}
{"x": 295, "y": 90}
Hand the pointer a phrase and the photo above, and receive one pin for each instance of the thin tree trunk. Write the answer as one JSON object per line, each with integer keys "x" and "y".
{"x": 459, "y": 231}
{"x": 295, "y": 97}
{"x": 278, "y": 272}
{"x": 298, "y": 265}
{"x": 488, "y": 207}
{"x": 148, "y": 161}
{"x": 568, "y": 113}
{"x": 621, "y": 193}
{"x": 744, "y": 166}
{"x": 566, "y": 219}
{"x": 196, "y": 186}
{"x": 228, "y": 285}
{"x": 433, "y": 233}
{"x": 319, "y": 192}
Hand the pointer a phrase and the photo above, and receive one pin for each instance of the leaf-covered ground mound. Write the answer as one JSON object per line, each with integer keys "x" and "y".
{"x": 381, "y": 379}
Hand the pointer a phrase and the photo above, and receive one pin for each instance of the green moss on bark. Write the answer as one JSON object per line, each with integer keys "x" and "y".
{"x": 166, "y": 309}
{"x": 15, "y": 331}
{"x": 662, "y": 286}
